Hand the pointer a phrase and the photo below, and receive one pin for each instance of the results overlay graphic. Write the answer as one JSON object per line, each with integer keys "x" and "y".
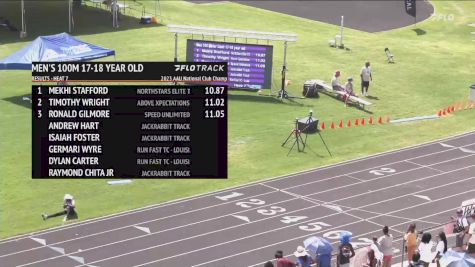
{"x": 129, "y": 131}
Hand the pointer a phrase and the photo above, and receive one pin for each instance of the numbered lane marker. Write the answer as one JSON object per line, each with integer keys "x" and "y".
{"x": 336, "y": 234}
{"x": 292, "y": 219}
{"x": 314, "y": 226}
{"x": 273, "y": 210}
{"x": 228, "y": 197}
{"x": 250, "y": 203}
{"x": 382, "y": 171}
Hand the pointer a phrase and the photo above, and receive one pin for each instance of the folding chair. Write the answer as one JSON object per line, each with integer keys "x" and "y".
{"x": 389, "y": 55}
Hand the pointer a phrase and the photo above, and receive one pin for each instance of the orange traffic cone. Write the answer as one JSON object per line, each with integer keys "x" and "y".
{"x": 439, "y": 114}
{"x": 444, "y": 112}
{"x": 362, "y": 122}
{"x": 349, "y": 123}
{"x": 448, "y": 110}
{"x": 341, "y": 124}
{"x": 333, "y": 125}
{"x": 323, "y": 126}
{"x": 380, "y": 120}
{"x": 452, "y": 109}
{"x": 357, "y": 122}
{"x": 370, "y": 121}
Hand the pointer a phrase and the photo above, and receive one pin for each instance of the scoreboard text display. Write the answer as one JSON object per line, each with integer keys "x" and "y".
{"x": 249, "y": 65}
{"x": 129, "y": 131}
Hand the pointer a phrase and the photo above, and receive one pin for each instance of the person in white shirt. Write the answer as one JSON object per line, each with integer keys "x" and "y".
{"x": 441, "y": 248}
{"x": 366, "y": 77}
{"x": 471, "y": 234}
{"x": 336, "y": 81}
{"x": 385, "y": 243}
{"x": 460, "y": 227}
{"x": 425, "y": 249}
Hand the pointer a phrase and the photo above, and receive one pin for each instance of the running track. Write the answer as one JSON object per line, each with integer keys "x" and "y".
{"x": 243, "y": 226}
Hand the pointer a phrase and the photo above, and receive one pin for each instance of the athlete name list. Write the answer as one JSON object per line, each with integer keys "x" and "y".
{"x": 173, "y": 131}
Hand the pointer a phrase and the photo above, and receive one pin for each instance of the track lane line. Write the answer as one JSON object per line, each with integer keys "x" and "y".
{"x": 422, "y": 165}
{"x": 257, "y": 184}
{"x": 359, "y": 235}
{"x": 360, "y": 208}
{"x": 270, "y": 231}
{"x": 323, "y": 231}
{"x": 276, "y": 178}
{"x": 172, "y": 242}
{"x": 303, "y": 197}
{"x": 389, "y": 175}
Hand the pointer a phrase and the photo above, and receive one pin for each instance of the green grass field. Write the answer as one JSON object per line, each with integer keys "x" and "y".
{"x": 432, "y": 71}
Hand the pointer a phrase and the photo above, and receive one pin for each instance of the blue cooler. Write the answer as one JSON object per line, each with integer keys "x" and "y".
{"x": 146, "y": 20}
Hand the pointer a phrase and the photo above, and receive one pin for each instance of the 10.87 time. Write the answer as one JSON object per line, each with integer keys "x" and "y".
{"x": 214, "y": 90}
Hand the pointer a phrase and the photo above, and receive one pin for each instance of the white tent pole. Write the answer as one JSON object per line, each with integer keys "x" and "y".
{"x": 69, "y": 16}
{"x": 23, "y": 24}
{"x": 341, "y": 31}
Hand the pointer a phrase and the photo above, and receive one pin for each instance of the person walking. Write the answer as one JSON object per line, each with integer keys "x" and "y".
{"x": 425, "y": 249}
{"x": 345, "y": 251}
{"x": 385, "y": 243}
{"x": 303, "y": 259}
{"x": 69, "y": 210}
{"x": 441, "y": 248}
{"x": 366, "y": 78}
{"x": 411, "y": 240}
{"x": 460, "y": 227}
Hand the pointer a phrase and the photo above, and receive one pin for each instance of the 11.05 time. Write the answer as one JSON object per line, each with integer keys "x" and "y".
{"x": 214, "y": 114}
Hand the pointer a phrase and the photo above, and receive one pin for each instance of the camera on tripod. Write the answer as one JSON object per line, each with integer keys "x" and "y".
{"x": 307, "y": 126}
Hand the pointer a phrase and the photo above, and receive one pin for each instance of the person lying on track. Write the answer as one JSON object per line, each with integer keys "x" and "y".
{"x": 69, "y": 210}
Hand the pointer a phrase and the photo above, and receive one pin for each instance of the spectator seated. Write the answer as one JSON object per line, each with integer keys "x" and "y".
{"x": 341, "y": 94}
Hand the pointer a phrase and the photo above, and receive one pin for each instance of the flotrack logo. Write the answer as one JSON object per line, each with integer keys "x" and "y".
{"x": 50, "y": 55}
{"x": 76, "y": 49}
{"x": 200, "y": 67}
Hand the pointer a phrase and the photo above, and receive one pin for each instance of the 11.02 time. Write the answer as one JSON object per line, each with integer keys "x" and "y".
{"x": 214, "y": 102}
